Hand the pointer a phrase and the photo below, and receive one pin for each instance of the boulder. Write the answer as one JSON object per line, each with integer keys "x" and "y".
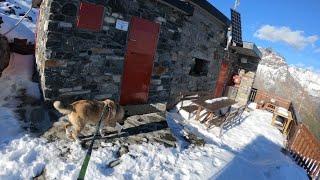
{"x": 4, "y": 53}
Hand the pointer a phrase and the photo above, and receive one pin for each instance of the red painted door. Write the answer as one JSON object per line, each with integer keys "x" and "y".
{"x": 142, "y": 44}
{"x": 222, "y": 75}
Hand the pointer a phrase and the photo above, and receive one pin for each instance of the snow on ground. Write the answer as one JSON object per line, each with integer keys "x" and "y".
{"x": 11, "y": 11}
{"x": 15, "y": 77}
{"x": 249, "y": 150}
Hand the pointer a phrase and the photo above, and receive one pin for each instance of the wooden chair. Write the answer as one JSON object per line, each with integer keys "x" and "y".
{"x": 231, "y": 118}
{"x": 221, "y": 120}
{"x": 240, "y": 112}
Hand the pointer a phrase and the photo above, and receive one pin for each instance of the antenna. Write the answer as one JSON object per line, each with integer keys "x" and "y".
{"x": 236, "y": 4}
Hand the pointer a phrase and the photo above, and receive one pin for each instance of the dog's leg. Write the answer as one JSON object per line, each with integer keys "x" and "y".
{"x": 75, "y": 133}
{"x": 100, "y": 130}
{"x": 119, "y": 128}
{"x": 66, "y": 126}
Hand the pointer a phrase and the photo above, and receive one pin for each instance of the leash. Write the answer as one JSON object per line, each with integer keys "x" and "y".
{"x": 88, "y": 156}
{"x": 25, "y": 15}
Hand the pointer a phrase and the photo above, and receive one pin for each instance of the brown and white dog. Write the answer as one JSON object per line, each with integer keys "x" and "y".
{"x": 83, "y": 111}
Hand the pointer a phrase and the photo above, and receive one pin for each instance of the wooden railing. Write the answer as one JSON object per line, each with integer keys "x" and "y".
{"x": 269, "y": 97}
{"x": 303, "y": 146}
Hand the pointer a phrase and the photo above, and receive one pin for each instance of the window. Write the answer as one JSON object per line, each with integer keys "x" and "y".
{"x": 199, "y": 67}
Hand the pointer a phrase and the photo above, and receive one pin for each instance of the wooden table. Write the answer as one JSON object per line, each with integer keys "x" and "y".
{"x": 269, "y": 107}
{"x": 287, "y": 122}
{"x": 211, "y": 107}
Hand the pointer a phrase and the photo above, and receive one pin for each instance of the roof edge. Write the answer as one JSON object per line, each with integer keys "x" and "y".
{"x": 205, "y": 5}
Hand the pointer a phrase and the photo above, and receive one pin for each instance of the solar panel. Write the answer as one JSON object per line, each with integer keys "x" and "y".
{"x": 236, "y": 27}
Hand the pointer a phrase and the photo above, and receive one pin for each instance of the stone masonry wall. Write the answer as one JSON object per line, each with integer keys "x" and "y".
{"x": 81, "y": 64}
{"x": 247, "y": 73}
{"x": 202, "y": 37}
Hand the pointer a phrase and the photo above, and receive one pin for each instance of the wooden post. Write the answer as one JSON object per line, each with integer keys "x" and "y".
{"x": 198, "y": 113}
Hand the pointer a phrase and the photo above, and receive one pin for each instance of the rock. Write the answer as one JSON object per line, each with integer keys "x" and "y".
{"x": 5, "y": 53}
{"x": 39, "y": 118}
{"x": 65, "y": 25}
{"x": 193, "y": 139}
{"x": 159, "y": 71}
{"x": 110, "y": 88}
{"x": 114, "y": 163}
{"x": 42, "y": 175}
{"x": 110, "y": 20}
{"x": 55, "y": 8}
{"x": 21, "y": 113}
{"x": 69, "y": 9}
{"x": 122, "y": 150}
{"x": 160, "y": 20}
{"x": 165, "y": 142}
{"x": 168, "y": 137}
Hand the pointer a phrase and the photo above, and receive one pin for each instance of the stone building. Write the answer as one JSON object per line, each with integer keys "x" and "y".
{"x": 134, "y": 51}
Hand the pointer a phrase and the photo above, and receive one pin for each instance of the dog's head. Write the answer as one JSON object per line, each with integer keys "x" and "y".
{"x": 112, "y": 105}
{"x": 109, "y": 103}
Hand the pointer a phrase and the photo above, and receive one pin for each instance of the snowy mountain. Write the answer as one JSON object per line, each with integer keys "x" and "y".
{"x": 308, "y": 79}
{"x": 301, "y": 86}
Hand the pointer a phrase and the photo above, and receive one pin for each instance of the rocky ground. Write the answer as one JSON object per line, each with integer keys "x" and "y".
{"x": 144, "y": 124}
{"x": 149, "y": 127}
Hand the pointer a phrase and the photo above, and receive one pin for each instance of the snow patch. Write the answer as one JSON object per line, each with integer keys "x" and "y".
{"x": 210, "y": 101}
{"x": 11, "y": 12}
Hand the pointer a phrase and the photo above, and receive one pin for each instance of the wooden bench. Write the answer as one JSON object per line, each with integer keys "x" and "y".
{"x": 192, "y": 108}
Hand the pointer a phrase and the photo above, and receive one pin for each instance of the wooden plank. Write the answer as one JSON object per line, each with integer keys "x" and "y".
{"x": 308, "y": 133}
{"x": 316, "y": 174}
{"x": 308, "y": 163}
{"x": 294, "y": 146}
{"x": 198, "y": 112}
{"x": 215, "y": 106}
{"x": 308, "y": 155}
{"x": 315, "y": 169}
{"x": 295, "y": 139}
{"x": 301, "y": 153}
{"x": 305, "y": 147}
{"x": 298, "y": 147}
{"x": 305, "y": 157}
{"x": 312, "y": 167}
{"x": 311, "y": 161}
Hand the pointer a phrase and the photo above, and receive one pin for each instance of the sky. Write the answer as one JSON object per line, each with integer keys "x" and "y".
{"x": 291, "y": 28}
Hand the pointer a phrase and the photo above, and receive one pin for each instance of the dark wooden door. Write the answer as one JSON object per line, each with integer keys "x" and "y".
{"x": 221, "y": 78}
{"x": 142, "y": 44}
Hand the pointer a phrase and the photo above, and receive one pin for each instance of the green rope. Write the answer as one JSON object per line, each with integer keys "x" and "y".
{"x": 88, "y": 156}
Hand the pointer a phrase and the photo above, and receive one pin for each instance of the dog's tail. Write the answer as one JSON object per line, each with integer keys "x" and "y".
{"x": 63, "y": 109}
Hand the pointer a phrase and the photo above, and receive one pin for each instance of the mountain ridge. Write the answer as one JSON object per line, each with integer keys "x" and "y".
{"x": 301, "y": 86}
